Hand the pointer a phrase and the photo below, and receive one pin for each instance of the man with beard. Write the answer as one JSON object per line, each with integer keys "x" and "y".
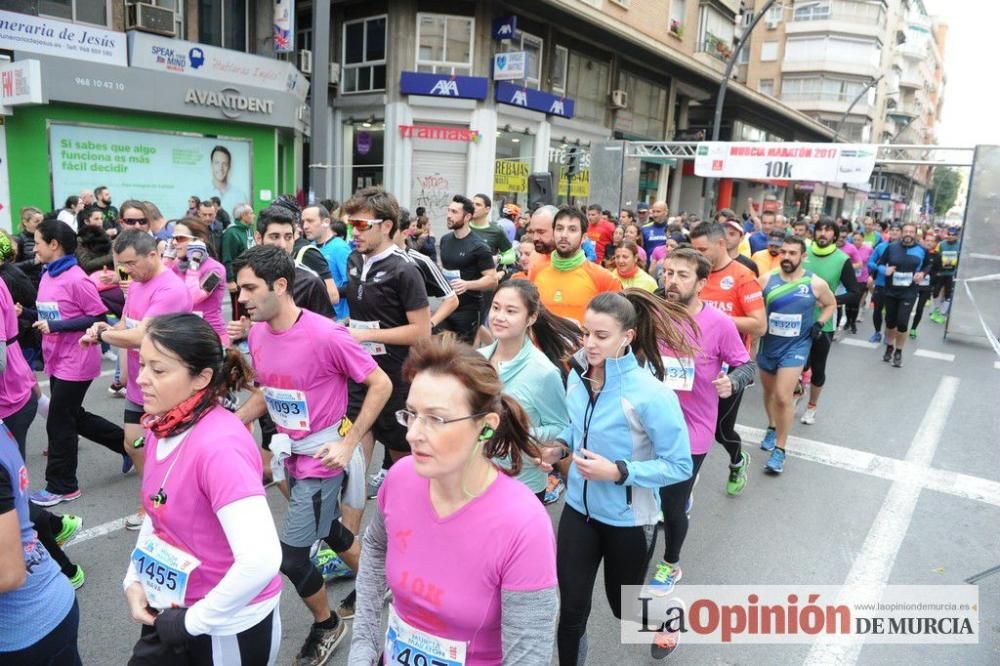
{"x": 103, "y": 199}
{"x": 468, "y": 267}
{"x": 876, "y": 281}
{"x": 540, "y": 232}
{"x": 568, "y": 283}
{"x": 902, "y": 265}
{"x": 826, "y": 260}
{"x": 794, "y": 322}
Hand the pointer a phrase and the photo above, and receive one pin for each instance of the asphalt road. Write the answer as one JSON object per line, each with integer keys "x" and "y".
{"x": 831, "y": 517}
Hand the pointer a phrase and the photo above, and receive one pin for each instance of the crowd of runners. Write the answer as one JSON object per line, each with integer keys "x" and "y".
{"x": 550, "y": 355}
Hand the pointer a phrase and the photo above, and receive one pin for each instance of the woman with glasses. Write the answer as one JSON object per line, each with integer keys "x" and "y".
{"x": 495, "y": 601}
{"x": 531, "y": 374}
{"x": 627, "y": 439}
{"x": 203, "y": 577}
{"x": 191, "y": 256}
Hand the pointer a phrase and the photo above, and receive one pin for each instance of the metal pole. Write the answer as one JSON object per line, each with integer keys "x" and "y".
{"x": 723, "y": 85}
{"x": 319, "y": 143}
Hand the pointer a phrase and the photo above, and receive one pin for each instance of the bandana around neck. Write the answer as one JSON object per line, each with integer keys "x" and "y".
{"x": 570, "y": 263}
{"x": 177, "y": 419}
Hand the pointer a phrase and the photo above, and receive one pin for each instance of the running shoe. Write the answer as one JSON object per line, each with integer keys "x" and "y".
{"x": 876, "y": 337}
{"x": 739, "y": 473}
{"x": 809, "y": 416}
{"x": 374, "y": 483}
{"x": 111, "y": 356}
{"x": 45, "y": 498}
{"x": 320, "y": 645}
{"x": 78, "y": 579}
{"x": 854, "y": 329}
{"x": 134, "y": 521}
{"x": 913, "y": 334}
{"x": 70, "y": 526}
{"x": 116, "y": 390}
{"x": 897, "y": 359}
{"x": 664, "y": 579}
{"x": 887, "y": 356}
{"x": 345, "y": 611}
{"x": 769, "y": 440}
{"x": 331, "y": 566}
{"x": 554, "y": 487}
{"x": 665, "y": 642}
{"x": 776, "y": 463}
{"x": 126, "y": 463}
{"x": 938, "y": 318}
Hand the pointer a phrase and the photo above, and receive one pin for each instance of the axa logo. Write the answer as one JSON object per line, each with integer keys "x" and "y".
{"x": 557, "y": 107}
{"x": 445, "y": 88}
{"x": 504, "y": 30}
{"x": 520, "y": 98}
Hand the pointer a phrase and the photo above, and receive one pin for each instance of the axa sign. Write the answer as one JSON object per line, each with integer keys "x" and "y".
{"x": 443, "y": 85}
{"x": 505, "y": 27}
{"x": 536, "y": 100}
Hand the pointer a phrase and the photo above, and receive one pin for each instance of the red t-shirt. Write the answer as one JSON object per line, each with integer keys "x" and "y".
{"x": 734, "y": 290}
{"x": 602, "y": 234}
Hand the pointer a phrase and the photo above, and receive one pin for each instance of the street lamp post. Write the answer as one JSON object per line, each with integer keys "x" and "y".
{"x": 843, "y": 119}
{"x": 723, "y": 85}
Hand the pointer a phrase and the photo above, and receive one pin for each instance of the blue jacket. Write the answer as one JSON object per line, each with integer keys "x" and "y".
{"x": 637, "y": 419}
{"x": 907, "y": 261}
{"x": 873, "y": 263}
{"x": 532, "y": 380}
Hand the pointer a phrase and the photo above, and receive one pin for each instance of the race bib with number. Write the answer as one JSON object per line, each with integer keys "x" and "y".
{"x": 678, "y": 373}
{"x": 163, "y": 570}
{"x": 902, "y": 279}
{"x": 287, "y": 408}
{"x": 949, "y": 258}
{"x": 373, "y": 348}
{"x": 450, "y": 275}
{"x": 408, "y": 646}
{"x": 48, "y": 311}
{"x": 925, "y": 281}
{"x": 784, "y": 325}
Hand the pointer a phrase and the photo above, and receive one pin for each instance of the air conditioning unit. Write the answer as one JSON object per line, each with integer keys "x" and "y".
{"x": 306, "y": 61}
{"x": 150, "y": 18}
{"x": 772, "y": 25}
{"x": 334, "y": 73}
{"x": 619, "y": 99}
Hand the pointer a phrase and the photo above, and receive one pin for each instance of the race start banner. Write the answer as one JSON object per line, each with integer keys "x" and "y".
{"x": 822, "y": 162}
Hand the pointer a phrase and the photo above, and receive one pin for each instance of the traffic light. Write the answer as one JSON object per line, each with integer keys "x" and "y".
{"x": 572, "y": 162}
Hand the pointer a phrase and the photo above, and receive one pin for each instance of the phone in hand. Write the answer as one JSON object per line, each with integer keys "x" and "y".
{"x": 211, "y": 281}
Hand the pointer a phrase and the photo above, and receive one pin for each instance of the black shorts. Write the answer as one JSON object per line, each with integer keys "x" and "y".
{"x": 463, "y": 323}
{"x": 133, "y": 413}
{"x": 386, "y": 428}
{"x": 898, "y": 310}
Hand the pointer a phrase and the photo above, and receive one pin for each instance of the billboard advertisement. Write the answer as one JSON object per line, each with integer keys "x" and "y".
{"x": 163, "y": 167}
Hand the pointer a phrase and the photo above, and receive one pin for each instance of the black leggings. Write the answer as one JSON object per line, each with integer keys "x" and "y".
{"x": 57, "y": 648}
{"x": 673, "y": 500}
{"x": 897, "y": 312}
{"x": 852, "y": 311}
{"x": 725, "y": 426}
{"x": 923, "y": 293}
{"x": 299, "y": 569}
{"x": 878, "y": 299}
{"x": 48, "y": 526}
{"x": 581, "y": 544}
{"x": 250, "y": 647}
{"x": 67, "y": 422}
{"x": 818, "y": 354}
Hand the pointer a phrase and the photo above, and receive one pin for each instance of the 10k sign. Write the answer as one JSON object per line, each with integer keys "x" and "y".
{"x": 822, "y": 162}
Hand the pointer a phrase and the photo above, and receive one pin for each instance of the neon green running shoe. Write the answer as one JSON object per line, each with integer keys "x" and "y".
{"x": 70, "y": 526}
{"x": 78, "y": 579}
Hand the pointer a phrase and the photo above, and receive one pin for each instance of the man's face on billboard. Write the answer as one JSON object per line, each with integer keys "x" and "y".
{"x": 220, "y": 166}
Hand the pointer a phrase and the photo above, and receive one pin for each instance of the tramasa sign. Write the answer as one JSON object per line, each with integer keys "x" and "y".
{"x": 536, "y": 100}
{"x": 443, "y": 85}
{"x": 439, "y": 132}
{"x": 822, "y": 162}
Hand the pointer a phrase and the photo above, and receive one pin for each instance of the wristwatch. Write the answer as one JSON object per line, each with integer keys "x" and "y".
{"x": 100, "y": 335}
{"x": 623, "y": 470}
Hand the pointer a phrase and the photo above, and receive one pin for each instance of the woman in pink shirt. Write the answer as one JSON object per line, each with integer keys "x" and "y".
{"x": 493, "y": 599}
{"x": 68, "y": 303}
{"x": 194, "y": 261}
{"x": 207, "y": 557}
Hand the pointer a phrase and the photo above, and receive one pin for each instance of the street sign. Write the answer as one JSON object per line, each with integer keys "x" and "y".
{"x": 823, "y": 162}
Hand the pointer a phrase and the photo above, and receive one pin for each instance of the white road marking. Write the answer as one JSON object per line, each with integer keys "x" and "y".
{"x": 106, "y": 373}
{"x": 956, "y": 484}
{"x": 940, "y": 356}
{"x": 94, "y": 532}
{"x": 874, "y": 563}
{"x": 860, "y": 343}
{"x": 996, "y": 365}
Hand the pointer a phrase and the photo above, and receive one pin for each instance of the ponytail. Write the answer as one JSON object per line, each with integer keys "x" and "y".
{"x": 512, "y": 437}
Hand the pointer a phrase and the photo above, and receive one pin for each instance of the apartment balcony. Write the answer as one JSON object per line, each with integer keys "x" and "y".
{"x": 911, "y": 78}
{"x": 844, "y": 25}
{"x": 832, "y": 65}
{"x": 836, "y": 103}
{"x": 714, "y": 52}
{"x": 913, "y": 49}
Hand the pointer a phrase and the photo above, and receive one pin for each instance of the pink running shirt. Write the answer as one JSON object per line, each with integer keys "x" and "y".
{"x": 17, "y": 380}
{"x": 210, "y": 307}
{"x": 217, "y": 464}
{"x": 501, "y": 540}
{"x": 69, "y": 295}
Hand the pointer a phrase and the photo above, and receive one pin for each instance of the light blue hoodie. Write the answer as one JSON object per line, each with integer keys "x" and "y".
{"x": 532, "y": 380}
{"x": 636, "y": 419}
